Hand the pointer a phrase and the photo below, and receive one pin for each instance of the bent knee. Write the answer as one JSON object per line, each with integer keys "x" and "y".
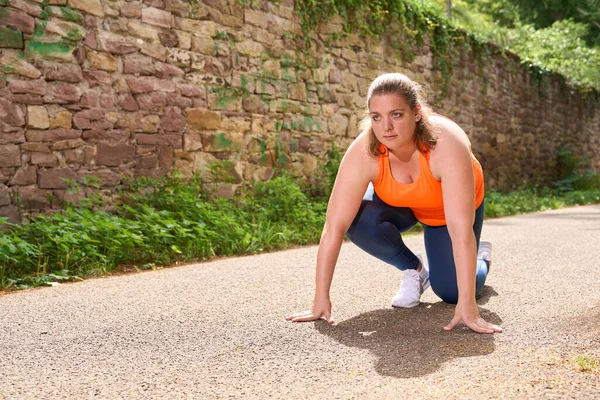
{"x": 447, "y": 295}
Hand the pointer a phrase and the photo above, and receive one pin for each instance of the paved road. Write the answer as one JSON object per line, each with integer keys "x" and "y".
{"x": 217, "y": 330}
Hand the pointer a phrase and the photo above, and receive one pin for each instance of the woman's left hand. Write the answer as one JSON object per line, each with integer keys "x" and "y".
{"x": 468, "y": 314}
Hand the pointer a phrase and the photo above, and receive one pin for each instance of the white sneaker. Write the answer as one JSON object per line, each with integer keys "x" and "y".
{"x": 485, "y": 251}
{"x": 413, "y": 285}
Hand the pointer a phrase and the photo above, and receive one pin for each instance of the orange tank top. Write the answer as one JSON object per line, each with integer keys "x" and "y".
{"x": 424, "y": 195}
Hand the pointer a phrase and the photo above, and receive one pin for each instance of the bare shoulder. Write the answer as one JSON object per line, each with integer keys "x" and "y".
{"x": 358, "y": 159}
{"x": 449, "y": 134}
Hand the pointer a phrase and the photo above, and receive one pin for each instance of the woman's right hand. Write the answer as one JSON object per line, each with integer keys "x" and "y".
{"x": 321, "y": 309}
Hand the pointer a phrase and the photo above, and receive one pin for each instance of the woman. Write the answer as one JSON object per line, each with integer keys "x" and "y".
{"x": 421, "y": 169}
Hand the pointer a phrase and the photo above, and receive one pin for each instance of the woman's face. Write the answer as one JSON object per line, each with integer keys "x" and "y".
{"x": 394, "y": 123}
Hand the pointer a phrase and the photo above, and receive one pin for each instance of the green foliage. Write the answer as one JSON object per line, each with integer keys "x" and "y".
{"x": 162, "y": 221}
{"x": 531, "y": 200}
{"x": 587, "y": 364}
{"x": 575, "y": 173}
{"x": 559, "y": 42}
{"x": 404, "y": 22}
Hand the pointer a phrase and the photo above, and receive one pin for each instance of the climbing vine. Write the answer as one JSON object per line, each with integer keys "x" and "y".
{"x": 406, "y": 24}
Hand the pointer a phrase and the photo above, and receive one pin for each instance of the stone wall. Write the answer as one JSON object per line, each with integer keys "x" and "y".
{"x": 116, "y": 89}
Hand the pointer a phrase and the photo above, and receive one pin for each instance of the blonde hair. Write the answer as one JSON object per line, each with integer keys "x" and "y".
{"x": 412, "y": 93}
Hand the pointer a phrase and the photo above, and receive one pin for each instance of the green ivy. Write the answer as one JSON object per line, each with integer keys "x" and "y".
{"x": 405, "y": 22}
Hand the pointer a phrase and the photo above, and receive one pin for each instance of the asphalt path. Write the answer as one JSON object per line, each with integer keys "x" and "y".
{"x": 217, "y": 330}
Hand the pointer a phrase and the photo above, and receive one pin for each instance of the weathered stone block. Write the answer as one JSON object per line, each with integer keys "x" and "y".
{"x": 55, "y": 178}
{"x": 114, "y": 155}
{"x": 61, "y": 72}
{"x": 10, "y": 156}
{"x": 155, "y": 50}
{"x": 27, "y": 99}
{"x": 192, "y": 90}
{"x": 12, "y": 136}
{"x": 163, "y": 140}
{"x": 60, "y": 51}
{"x": 102, "y": 60}
{"x": 29, "y": 87}
{"x": 33, "y": 198}
{"x": 35, "y": 146}
{"x": 11, "y": 213}
{"x": 143, "y": 31}
{"x": 141, "y": 85}
{"x": 179, "y": 57}
{"x": 199, "y": 119}
{"x": 203, "y": 44}
{"x": 205, "y": 27}
{"x": 5, "y": 198}
{"x": 147, "y": 162}
{"x": 10, "y": 38}
{"x": 255, "y": 17}
{"x": 83, "y": 119}
{"x": 97, "y": 78}
{"x": 24, "y": 5}
{"x": 174, "y": 99}
{"x": 184, "y": 40}
{"x": 52, "y": 135}
{"x": 192, "y": 142}
{"x": 165, "y": 157}
{"x": 223, "y": 142}
{"x": 297, "y": 91}
{"x": 153, "y": 101}
{"x": 13, "y": 62}
{"x": 131, "y": 10}
{"x": 117, "y": 44}
{"x": 11, "y": 114}
{"x": 64, "y": 12}
{"x": 68, "y": 144}
{"x": 128, "y": 102}
{"x": 93, "y": 7}
{"x": 61, "y": 120}
{"x": 62, "y": 93}
{"x": 17, "y": 20}
{"x": 68, "y": 30}
{"x": 26, "y": 175}
{"x": 37, "y": 117}
{"x": 338, "y": 125}
{"x": 173, "y": 120}
{"x": 106, "y": 177}
{"x": 136, "y": 63}
{"x": 154, "y": 16}
{"x": 44, "y": 159}
{"x": 255, "y": 105}
{"x": 89, "y": 99}
{"x": 250, "y": 48}
{"x": 166, "y": 71}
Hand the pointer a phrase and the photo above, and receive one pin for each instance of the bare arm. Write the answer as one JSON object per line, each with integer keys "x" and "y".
{"x": 356, "y": 171}
{"x": 455, "y": 169}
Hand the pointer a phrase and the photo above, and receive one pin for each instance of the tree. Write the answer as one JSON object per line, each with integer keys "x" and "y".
{"x": 449, "y": 8}
{"x": 543, "y": 13}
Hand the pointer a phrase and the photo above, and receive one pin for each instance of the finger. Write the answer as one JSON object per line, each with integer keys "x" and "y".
{"x": 328, "y": 318}
{"x": 452, "y": 324}
{"x": 481, "y": 326}
{"x": 487, "y": 325}
{"x": 300, "y": 314}
{"x": 490, "y": 326}
{"x": 305, "y": 318}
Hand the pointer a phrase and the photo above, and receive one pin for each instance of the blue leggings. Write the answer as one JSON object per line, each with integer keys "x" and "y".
{"x": 377, "y": 227}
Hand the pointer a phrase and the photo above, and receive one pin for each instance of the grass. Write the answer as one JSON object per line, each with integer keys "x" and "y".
{"x": 587, "y": 364}
{"x": 161, "y": 222}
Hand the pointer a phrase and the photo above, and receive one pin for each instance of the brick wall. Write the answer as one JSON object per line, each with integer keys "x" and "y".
{"x": 117, "y": 89}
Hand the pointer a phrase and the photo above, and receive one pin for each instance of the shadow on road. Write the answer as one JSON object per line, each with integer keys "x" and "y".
{"x": 411, "y": 342}
{"x": 485, "y": 294}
